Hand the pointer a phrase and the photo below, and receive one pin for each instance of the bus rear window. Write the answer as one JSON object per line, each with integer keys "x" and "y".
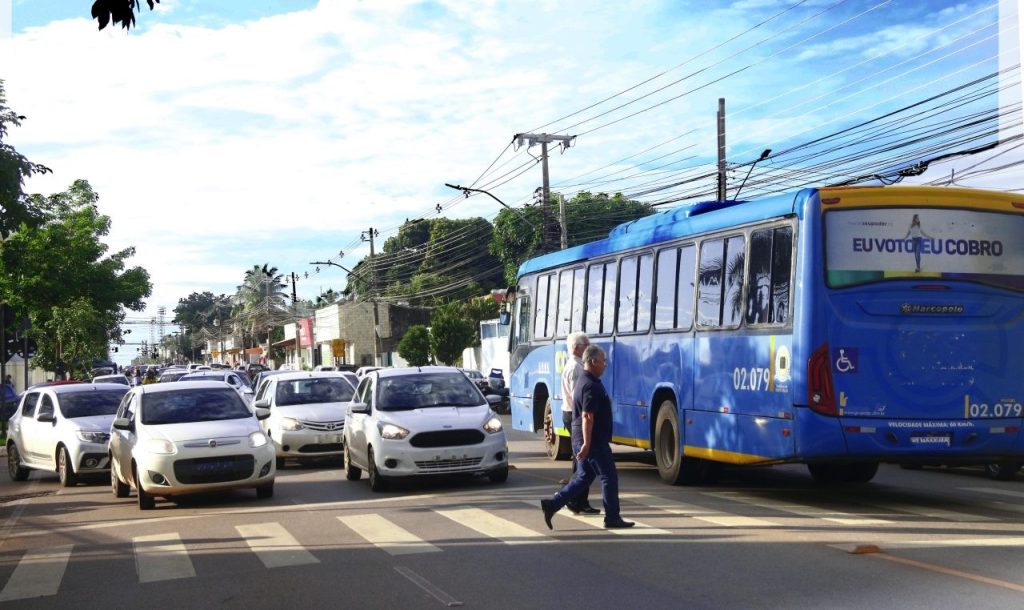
{"x": 878, "y": 244}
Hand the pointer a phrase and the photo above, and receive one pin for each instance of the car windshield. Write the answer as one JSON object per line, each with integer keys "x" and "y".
{"x": 85, "y": 404}
{"x": 419, "y": 391}
{"x": 183, "y": 406}
{"x": 174, "y": 375}
{"x": 313, "y": 390}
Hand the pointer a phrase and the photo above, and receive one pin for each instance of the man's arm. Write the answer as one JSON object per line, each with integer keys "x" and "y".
{"x": 588, "y": 433}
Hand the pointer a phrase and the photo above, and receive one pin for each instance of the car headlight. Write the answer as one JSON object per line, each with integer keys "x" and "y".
{"x": 159, "y": 445}
{"x": 493, "y": 425}
{"x": 291, "y": 424}
{"x": 392, "y": 432}
{"x": 100, "y": 438}
{"x": 257, "y": 439}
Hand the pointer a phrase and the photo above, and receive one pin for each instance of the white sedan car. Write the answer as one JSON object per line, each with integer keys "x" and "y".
{"x": 307, "y": 413}
{"x": 238, "y": 381}
{"x": 64, "y": 428}
{"x": 413, "y": 422}
{"x": 184, "y": 437}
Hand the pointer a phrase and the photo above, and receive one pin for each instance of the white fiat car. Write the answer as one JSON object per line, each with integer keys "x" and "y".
{"x": 184, "y": 437}
{"x": 307, "y": 413}
{"x": 422, "y": 421}
{"x": 64, "y": 428}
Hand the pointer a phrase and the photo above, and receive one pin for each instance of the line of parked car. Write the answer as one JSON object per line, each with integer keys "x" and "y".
{"x": 209, "y": 430}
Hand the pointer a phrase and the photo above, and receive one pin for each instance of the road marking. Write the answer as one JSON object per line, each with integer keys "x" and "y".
{"x": 494, "y": 526}
{"x": 161, "y": 557}
{"x": 275, "y": 547}
{"x": 387, "y": 536}
{"x": 56, "y": 529}
{"x": 428, "y": 586}
{"x": 950, "y": 572}
{"x": 20, "y": 508}
{"x": 995, "y": 491}
{"x": 936, "y": 513}
{"x": 802, "y": 510}
{"x": 38, "y": 573}
{"x": 640, "y": 529}
{"x": 696, "y": 512}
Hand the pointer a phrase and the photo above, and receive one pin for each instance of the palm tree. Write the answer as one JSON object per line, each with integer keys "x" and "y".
{"x": 261, "y": 300}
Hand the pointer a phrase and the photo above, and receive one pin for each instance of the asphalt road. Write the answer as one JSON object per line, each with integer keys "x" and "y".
{"x": 767, "y": 537}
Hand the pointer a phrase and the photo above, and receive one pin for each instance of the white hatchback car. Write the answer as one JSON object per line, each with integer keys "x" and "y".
{"x": 64, "y": 428}
{"x": 411, "y": 422}
{"x": 177, "y": 438}
{"x": 307, "y": 413}
{"x": 238, "y": 381}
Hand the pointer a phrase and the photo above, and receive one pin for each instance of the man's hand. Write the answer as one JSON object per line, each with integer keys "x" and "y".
{"x": 584, "y": 452}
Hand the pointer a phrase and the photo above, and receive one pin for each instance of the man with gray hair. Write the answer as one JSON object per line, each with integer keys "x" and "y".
{"x": 591, "y": 442}
{"x": 575, "y": 343}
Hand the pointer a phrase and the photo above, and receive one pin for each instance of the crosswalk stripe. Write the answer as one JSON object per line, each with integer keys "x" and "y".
{"x": 640, "y": 529}
{"x": 38, "y": 573}
{"x": 936, "y": 513}
{"x": 275, "y": 547}
{"x": 161, "y": 557}
{"x": 493, "y": 526}
{"x": 802, "y": 510}
{"x": 995, "y": 491}
{"x": 696, "y": 512}
{"x": 936, "y": 543}
{"x": 387, "y": 536}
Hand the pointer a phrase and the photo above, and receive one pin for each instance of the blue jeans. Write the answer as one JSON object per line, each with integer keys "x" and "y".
{"x": 599, "y": 464}
{"x": 584, "y": 498}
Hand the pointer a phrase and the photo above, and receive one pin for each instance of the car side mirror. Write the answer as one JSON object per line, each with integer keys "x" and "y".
{"x": 262, "y": 412}
{"x": 359, "y": 408}
{"x": 46, "y": 417}
{"x": 492, "y": 399}
{"x": 122, "y": 423}
{"x": 263, "y": 403}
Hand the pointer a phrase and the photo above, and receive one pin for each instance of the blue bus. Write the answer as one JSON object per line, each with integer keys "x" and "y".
{"x": 836, "y": 327}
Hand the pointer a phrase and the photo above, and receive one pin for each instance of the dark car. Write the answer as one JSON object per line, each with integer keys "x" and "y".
{"x": 10, "y": 402}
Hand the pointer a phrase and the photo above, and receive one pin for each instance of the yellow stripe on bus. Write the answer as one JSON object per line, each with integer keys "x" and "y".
{"x": 632, "y": 442}
{"x": 924, "y": 196}
{"x": 729, "y": 457}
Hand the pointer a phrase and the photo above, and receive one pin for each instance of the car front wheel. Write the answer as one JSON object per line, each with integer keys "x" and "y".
{"x": 14, "y": 467}
{"x": 120, "y": 490}
{"x": 146, "y": 501}
{"x": 64, "y": 469}
{"x": 377, "y": 482}
{"x": 352, "y": 472}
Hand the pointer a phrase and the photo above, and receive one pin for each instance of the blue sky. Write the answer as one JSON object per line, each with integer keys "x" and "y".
{"x": 220, "y": 135}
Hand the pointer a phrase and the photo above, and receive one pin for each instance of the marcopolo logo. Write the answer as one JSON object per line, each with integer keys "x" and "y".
{"x": 910, "y": 308}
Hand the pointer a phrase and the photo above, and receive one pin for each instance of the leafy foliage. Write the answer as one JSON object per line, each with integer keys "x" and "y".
{"x": 589, "y": 217}
{"x": 118, "y": 11}
{"x": 450, "y": 333}
{"x": 414, "y": 347}
{"x": 61, "y": 272}
{"x": 261, "y": 300}
{"x": 15, "y": 209}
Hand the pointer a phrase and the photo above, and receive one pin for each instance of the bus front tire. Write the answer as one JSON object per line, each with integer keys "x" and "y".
{"x": 673, "y": 467}
{"x": 1002, "y": 471}
{"x": 558, "y": 447}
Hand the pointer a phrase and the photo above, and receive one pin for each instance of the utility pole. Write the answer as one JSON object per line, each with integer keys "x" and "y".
{"x": 544, "y": 139}
{"x": 295, "y": 298}
{"x": 561, "y": 221}
{"x": 721, "y": 149}
{"x": 368, "y": 236}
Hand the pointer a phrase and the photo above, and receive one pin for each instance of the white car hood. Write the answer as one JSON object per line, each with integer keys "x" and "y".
{"x": 438, "y": 418}
{"x": 93, "y": 423}
{"x": 190, "y": 431}
{"x": 320, "y": 412}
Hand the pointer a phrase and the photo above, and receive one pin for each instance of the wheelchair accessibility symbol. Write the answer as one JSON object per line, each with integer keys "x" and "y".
{"x": 844, "y": 359}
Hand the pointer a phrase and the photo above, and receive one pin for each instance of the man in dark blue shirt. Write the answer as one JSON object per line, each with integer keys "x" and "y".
{"x": 591, "y": 442}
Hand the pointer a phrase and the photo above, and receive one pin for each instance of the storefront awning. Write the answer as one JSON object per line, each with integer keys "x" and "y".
{"x": 285, "y": 343}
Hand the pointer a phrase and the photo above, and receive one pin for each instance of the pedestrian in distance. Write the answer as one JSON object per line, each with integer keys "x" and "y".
{"x": 137, "y": 377}
{"x": 591, "y": 442}
{"x": 575, "y": 343}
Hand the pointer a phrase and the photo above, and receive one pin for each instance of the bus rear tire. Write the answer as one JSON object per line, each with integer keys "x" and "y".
{"x": 861, "y": 472}
{"x": 1002, "y": 471}
{"x": 828, "y": 474}
{"x": 558, "y": 447}
{"x": 673, "y": 467}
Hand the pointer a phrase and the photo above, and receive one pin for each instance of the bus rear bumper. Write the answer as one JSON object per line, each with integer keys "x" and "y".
{"x": 945, "y": 441}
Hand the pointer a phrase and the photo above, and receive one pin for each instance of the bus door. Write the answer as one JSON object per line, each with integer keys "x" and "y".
{"x": 922, "y": 329}
{"x": 632, "y": 377}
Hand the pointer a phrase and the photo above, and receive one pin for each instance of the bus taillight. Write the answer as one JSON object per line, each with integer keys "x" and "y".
{"x": 820, "y": 396}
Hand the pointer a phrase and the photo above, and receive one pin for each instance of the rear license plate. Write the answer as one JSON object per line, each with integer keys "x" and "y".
{"x": 931, "y": 440}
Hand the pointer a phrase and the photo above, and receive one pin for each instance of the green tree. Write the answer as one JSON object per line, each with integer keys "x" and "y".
{"x": 477, "y": 309}
{"x": 589, "y": 217}
{"x": 48, "y": 269}
{"x": 450, "y": 333}
{"x": 16, "y": 210}
{"x": 414, "y": 347}
{"x": 73, "y": 327}
{"x": 261, "y": 301}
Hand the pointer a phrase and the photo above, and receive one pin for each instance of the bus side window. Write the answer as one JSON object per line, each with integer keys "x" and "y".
{"x": 732, "y": 306}
{"x": 643, "y": 293}
{"x": 543, "y": 303}
{"x": 595, "y": 290}
{"x": 564, "y": 302}
{"x": 709, "y": 292}
{"x": 684, "y": 293}
{"x": 608, "y": 310}
{"x": 770, "y": 257}
{"x": 665, "y": 297}
{"x": 627, "y": 295}
{"x": 522, "y": 319}
{"x": 576, "y": 317}
{"x": 549, "y": 330}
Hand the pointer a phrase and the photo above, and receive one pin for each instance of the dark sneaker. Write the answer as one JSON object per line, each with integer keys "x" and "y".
{"x": 618, "y": 525}
{"x": 549, "y": 511}
{"x": 573, "y": 508}
{"x": 587, "y": 509}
